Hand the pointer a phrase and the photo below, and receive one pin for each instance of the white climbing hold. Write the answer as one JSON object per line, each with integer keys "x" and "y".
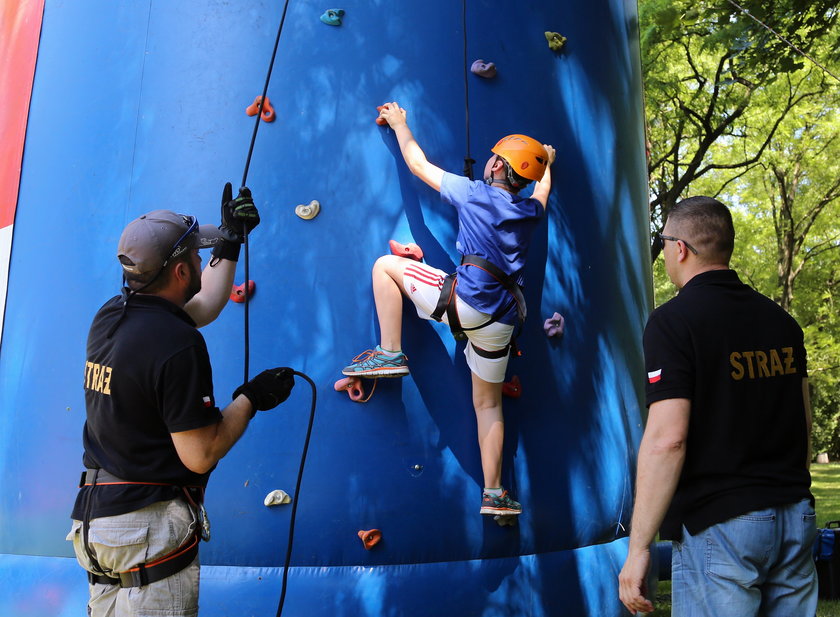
{"x": 277, "y": 498}
{"x": 308, "y": 211}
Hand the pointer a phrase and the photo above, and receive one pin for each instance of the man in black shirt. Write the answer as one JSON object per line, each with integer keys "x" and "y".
{"x": 723, "y": 463}
{"x": 154, "y": 432}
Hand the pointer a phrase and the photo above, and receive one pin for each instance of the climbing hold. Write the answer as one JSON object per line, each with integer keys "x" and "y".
{"x": 512, "y": 388}
{"x": 370, "y": 538}
{"x": 555, "y": 326}
{"x": 277, "y": 498}
{"x": 308, "y": 211}
{"x": 267, "y": 111}
{"x": 237, "y": 292}
{"x": 332, "y": 17}
{"x": 379, "y": 119}
{"x": 411, "y": 250}
{"x": 556, "y": 41}
{"x": 354, "y": 388}
{"x": 484, "y": 69}
{"x": 505, "y": 521}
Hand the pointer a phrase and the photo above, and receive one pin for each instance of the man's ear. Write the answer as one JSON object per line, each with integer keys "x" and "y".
{"x": 498, "y": 165}
{"x": 181, "y": 271}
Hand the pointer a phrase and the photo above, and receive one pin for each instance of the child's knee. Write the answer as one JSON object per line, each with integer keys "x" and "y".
{"x": 383, "y": 262}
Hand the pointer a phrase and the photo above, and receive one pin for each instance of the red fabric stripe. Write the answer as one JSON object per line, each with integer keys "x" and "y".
{"x": 20, "y": 32}
{"x": 422, "y": 276}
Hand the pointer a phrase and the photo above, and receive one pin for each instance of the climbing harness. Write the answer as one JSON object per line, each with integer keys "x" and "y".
{"x": 144, "y": 573}
{"x": 447, "y": 304}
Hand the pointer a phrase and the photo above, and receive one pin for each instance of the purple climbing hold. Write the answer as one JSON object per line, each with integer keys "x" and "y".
{"x": 484, "y": 69}
{"x": 555, "y": 326}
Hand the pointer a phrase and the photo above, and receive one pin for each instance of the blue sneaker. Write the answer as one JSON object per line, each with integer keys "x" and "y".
{"x": 502, "y": 505}
{"x": 377, "y": 363}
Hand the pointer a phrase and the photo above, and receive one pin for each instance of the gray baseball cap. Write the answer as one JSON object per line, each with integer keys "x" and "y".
{"x": 149, "y": 242}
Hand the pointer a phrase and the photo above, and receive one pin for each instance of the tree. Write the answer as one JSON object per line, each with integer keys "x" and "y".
{"x": 705, "y": 65}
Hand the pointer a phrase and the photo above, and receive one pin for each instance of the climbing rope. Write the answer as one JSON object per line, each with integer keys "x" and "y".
{"x": 780, "y": 37}
{"x": 468, "y": 160}
{"x": 296, "y": 498}
{"x": 247, "y": 320}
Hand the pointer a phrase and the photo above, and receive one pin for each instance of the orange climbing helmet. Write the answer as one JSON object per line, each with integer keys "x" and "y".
{"x": 525, "y": 155}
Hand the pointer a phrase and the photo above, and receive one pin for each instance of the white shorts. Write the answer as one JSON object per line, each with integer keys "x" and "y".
{"x": 422, "y": 285}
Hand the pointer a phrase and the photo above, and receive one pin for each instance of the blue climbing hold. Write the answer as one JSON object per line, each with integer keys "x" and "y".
{"x": 332, "y": 17}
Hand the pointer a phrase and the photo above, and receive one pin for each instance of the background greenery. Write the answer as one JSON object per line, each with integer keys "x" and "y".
{"x": 735, "y": 110}
{"x": 737, "y": 113}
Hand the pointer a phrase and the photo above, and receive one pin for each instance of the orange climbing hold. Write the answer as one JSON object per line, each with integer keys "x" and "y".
{"x": 512, "y": 388}
{"x": 411, "y": 250}
{"x": 267, "y": 110}
{"x": 237, "y": 292}
{"x": 370, "y": 538}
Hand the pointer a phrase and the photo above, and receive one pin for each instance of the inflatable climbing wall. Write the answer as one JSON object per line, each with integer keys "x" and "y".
{"x": 141, "y": 105}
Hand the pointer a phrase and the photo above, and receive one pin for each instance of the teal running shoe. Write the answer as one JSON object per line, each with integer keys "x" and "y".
{"x": 502, "y": 505}
{"x": 377, "y": 363}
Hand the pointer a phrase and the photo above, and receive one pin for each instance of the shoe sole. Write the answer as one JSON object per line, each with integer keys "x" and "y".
{"x": 378, "y": 372}
{"x": 500, "y": 511}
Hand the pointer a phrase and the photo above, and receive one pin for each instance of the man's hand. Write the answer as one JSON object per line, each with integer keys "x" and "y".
{"x": 238, "y": 214}
{"x": 632, "y": 588}
{"x": 393, "y": 114}
{"x": 268, "y": 389}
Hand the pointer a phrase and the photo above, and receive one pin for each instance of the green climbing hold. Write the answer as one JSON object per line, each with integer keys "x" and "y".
{"x": 556, "y": 41}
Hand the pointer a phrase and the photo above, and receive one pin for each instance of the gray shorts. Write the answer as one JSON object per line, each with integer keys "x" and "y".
{"x": 422, "y": 285}
{"x": 126, "y": 540}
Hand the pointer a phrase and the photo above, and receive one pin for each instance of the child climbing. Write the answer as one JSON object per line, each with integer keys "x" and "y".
{"x": 483, "y": 299}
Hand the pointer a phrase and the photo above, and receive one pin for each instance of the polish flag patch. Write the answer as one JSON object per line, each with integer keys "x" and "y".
{"x": 654, "y": 376}
{"x": 208, "y": 402}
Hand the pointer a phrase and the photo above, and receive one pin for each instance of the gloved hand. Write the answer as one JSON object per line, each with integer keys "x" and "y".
{"x": 238, "y": 214}
{"x": 268, "y": 389}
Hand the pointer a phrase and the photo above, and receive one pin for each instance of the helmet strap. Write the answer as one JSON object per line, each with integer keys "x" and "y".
{"x": 490, "y": 181}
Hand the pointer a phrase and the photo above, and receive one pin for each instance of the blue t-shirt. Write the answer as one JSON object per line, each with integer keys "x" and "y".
{"x": 497, "y": 226}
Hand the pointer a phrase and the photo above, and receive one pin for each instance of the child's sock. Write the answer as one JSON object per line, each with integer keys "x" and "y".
{"x": 388, "y": 352}
{"x": 494, "y": 492}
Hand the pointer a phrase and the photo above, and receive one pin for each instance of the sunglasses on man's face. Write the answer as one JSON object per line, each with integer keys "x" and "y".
{"x": 177, "y": 248}
{"x": 673, "y": 239}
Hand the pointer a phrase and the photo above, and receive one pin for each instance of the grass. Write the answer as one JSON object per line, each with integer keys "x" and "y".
{"x": 826, "y": 488}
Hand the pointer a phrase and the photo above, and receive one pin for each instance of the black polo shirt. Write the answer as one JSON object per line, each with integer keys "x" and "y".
{"x": 740, "y": 359}
{"x": 150, "y": 378}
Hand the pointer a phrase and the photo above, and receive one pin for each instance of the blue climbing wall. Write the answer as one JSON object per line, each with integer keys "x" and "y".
{"x": 140, "y": 105}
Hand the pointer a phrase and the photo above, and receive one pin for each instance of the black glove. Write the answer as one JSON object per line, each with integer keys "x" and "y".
{"x": 268, "y": 389}
{"x": 238, "y": 214}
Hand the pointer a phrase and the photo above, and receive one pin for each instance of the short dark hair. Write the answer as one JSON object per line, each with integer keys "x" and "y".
{"x": 707, "y": 224}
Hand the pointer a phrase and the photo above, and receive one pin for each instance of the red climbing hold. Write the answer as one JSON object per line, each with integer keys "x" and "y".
{"x": 512, "y": 388}
{"x": 411, "y": 250}
{"x": 379, "y": 119}
{"x": 267, "y": 111}
{"x": 370, "y": 538}
{"x": 355, "y": 389}
{"x": 237, "y": 293}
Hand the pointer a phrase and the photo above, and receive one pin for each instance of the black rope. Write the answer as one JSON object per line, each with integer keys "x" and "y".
{"x": 468, "y": 160}
{"x": 247, "y": 318}
{"x": 296, "y": 497}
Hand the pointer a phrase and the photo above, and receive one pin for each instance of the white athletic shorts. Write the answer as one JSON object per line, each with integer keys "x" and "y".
{"x": 422, "y": 284}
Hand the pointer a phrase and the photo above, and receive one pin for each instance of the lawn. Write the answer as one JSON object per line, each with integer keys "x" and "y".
{"x": 826, "y": 488}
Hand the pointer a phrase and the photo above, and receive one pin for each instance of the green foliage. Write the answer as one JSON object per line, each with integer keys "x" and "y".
{"x": 734, "y": 112}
